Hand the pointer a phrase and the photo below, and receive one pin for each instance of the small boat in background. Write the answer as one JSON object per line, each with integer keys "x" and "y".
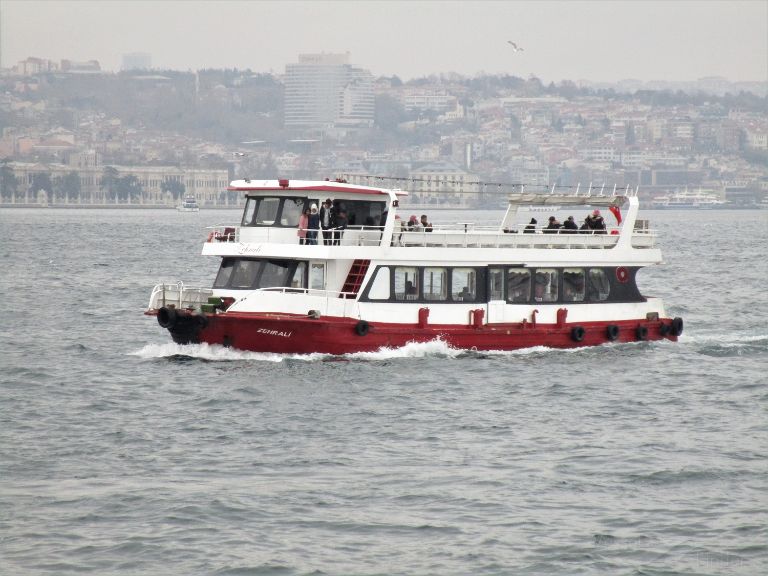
{"x": 189, "y": 204}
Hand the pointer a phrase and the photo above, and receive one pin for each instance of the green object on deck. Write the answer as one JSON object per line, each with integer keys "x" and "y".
{"x": 208, "y": 308}
{"x": 216, "y": 300}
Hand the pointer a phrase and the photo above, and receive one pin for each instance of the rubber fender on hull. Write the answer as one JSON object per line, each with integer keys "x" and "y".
{"x": 577, "y": 333}
{"x": 167, "y": 317}
{"x": 611, "y": 332}
{"x": 362, "y": 328}
{"x": 641, "y": 332}
{"x": 677, "y": 326}
{"x": 665, "y": 329}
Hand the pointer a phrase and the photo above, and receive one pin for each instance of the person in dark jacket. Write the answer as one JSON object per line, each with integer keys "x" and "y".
{"x": 596, "y": 222}
{"x": 327, "y": 221}
{"x": 313, "y": 225}
{"x": 570, "y": 226}
{"x": 341, "y": 225}
{"x": 552, "y": 226}
{"x": 531, "y": 227}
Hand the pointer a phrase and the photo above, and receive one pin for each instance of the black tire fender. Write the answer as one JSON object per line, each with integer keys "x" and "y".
{"x": 577, "y": 333}
{"x": 641, "y": 332}
{"x": 665, "y": 329}
{"x": 677, "y": 326}
{"x": 167, "y": 317}
{"x": 611, "y": 332}
{"x": 362, "y": 328}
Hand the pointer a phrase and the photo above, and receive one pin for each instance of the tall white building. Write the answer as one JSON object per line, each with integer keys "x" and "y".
{"x": 325, "y": 91}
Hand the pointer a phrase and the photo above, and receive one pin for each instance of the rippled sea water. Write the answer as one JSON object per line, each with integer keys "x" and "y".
{"x": 123, "y": 453}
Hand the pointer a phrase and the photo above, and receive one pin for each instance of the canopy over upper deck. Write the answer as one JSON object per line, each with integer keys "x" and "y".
{"x": 533, "y": 199}
{"x": 324, "y": 186}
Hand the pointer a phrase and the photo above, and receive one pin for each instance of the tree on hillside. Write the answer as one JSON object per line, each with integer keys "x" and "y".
{"x": 41, "y": 181}
{"x": 9, "y": 184}
{"x": 128, "y": 188}
{"x": 175, "y": 187}
{"x": 69, "y": 188}
{"x": 109, "y": 178}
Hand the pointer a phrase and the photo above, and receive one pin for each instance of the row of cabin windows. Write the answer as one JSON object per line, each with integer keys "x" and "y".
{"x": 285, "y": 212}
{"x": 515, "y": 285}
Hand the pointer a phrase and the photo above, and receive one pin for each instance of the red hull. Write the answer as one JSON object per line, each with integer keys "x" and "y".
{"x": 284, "y": 333}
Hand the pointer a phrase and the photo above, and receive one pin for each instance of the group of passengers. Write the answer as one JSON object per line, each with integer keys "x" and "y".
{"x": 593, "y": 223}
{"x": 330, "y": 220}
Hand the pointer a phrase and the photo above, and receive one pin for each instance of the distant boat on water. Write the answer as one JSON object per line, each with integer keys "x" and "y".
{"x": 687, "y": 201}
{"x": 189, "y": 204}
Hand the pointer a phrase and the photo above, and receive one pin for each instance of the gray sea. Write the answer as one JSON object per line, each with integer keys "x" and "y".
{"x": 123, "y": 453}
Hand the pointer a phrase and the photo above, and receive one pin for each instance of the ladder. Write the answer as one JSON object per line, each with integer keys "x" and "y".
{"x": 354, "y": 279}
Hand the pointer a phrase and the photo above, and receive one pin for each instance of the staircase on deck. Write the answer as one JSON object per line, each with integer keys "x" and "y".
{"x": 354, "y": 278}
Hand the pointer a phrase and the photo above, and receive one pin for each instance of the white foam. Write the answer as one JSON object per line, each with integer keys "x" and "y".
{"x": 215, "y": 353}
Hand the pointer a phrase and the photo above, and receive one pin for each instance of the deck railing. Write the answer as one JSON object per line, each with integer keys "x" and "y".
{"x": 177, "y": 295}
{"x": 459, "y": 235}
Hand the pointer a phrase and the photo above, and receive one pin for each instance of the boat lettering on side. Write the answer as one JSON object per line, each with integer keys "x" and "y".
{"x": 274, "y": 333}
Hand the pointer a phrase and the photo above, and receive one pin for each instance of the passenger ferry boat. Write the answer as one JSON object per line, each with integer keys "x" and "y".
{"x": 687, "y": 201}
{"x": 378, "y": 284}
{"x": 189, "y": 204}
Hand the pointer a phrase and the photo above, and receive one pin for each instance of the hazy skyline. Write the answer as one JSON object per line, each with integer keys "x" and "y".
{"x": 596, "y": 40}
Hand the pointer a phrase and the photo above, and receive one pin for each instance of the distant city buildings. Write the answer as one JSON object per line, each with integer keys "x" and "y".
{"x": 136, "y": 61}
{"x": 324, "y": 91}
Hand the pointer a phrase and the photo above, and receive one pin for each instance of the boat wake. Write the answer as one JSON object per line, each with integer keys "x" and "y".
{"x": 433, "y": 349}
{"x": 729, "y": 344}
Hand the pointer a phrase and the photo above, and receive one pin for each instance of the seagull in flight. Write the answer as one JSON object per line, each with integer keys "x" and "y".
{"x": 514, "y": 46}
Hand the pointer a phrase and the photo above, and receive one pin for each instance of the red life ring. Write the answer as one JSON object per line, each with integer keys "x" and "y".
{"x": 622, "y": 274}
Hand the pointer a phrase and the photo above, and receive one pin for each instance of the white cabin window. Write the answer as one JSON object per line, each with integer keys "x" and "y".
{"x": 598, "y": 287}
{"x": 317, "y": 276}
{"x": 406, "y": 283}
{"x": 573, "y": 285}
{"x": 518, "y": 285}
{"x": 545, "y": 285}
{"x": 435, "y": 283}
{"x": 380, "y": 285}
{"x": 496, "y": 283}
{"x": 464, "y": 284}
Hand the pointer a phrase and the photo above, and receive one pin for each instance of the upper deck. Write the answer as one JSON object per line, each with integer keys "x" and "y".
{"x": 270, "y": 223}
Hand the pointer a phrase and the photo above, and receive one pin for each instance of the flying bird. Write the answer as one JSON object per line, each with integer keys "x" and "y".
{"x": 514, "y": 46}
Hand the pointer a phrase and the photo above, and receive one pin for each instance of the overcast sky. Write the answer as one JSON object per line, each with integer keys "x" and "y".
{"x": 592, "y": 40}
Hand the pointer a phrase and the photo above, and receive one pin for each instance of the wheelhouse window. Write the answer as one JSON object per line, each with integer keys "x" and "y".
{"x": 273, "y": 211}
{"x": 406, "y": 283}
{"x": 598, "y": 286}
{"x": 545, "y": 285}
{"x": 464, "y": 284}
{"x": 363, "y": 213}
{"x": 435, "y": 284}
{"x": 573, "y": 285}
{"x": 249, "y": 274}
{"x": 518, "y": 285}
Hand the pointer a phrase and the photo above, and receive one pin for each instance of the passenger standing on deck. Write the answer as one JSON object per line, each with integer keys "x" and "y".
{"x": 313, "y": 224}
{"x": 425, "y": 223}
{"x": 303, "y": 226}
{"x": 327, "y": 221}
{"x": 341, "y": 225}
